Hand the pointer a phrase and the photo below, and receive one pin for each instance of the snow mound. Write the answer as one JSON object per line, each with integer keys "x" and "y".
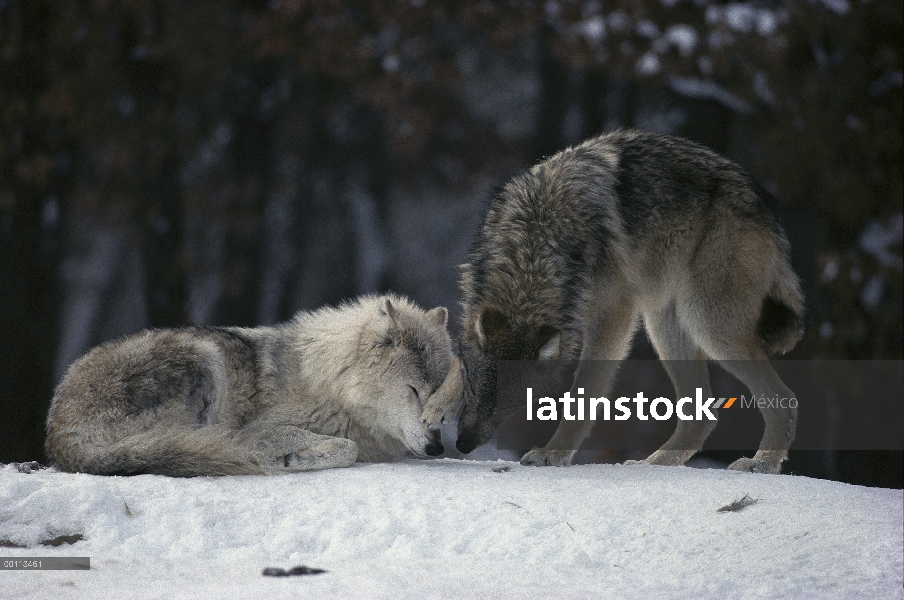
{"x": 455, "y": 529}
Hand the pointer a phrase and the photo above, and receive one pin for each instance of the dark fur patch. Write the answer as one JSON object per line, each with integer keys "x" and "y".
{"x": 147, "y": 387}
{"x": 239, "y": 353}
{"x": 777, "y": 322}
{"x": 663, "y": 178}
{"x": 495, "y": 326}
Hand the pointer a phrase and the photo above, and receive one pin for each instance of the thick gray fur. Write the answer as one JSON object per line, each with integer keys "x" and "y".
{"x": 630, "y": 227}
{"x": 320, "y": 391}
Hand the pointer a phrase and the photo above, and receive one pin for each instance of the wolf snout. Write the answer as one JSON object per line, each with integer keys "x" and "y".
{"x": 434, "y": 444}
{"x": 465, "y": 444}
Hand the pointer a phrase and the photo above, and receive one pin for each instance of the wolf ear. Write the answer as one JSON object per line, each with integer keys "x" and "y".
{"x": 549, "y": 339}
{"x": 389, "y": 310}
{"x": 438, "y": 316}
{"x": 492, "y": 324}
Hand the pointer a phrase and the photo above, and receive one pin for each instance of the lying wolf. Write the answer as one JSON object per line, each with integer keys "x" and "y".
{"x": 627, "y": 227}
{"x": 318, "y": 392}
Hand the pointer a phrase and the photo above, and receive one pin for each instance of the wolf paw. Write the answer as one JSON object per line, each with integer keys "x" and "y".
{"x": 665, "y": 458}
{"x": 435, "y": 415}
{"x": 444, "y": 402}
{"x": 752, "y": 465}
{"x": 330, "y": 454}
{"x": 541, "y": 457}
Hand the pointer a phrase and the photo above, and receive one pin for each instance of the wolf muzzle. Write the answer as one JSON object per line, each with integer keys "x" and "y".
{"x": 466, "y": 444}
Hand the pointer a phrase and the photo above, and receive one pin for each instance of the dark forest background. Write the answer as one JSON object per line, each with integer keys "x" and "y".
{"x": 166, "y": 162}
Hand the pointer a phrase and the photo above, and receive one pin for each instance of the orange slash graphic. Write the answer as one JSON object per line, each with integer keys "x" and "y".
{"x": 729, "y": 403}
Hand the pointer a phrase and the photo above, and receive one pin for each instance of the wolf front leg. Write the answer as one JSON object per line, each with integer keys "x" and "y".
{"x": 685, "y": 364}
{"x": 563, "y": 445}
{"x": 445, "y": 401}
{"x": 279, "y": 435}
{"x": 607, "y": 342}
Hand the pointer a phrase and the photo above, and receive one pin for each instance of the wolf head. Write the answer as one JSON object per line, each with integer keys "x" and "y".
{"x": 406, "y": 357}
{"x": 522, "y": 259}
{"x": 488, "y": 337}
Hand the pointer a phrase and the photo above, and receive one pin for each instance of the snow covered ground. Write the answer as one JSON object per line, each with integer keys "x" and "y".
{"x": 455, "y": 529}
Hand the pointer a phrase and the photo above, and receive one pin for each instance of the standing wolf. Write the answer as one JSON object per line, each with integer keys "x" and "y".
{"x": 314, "y": 393}
{"x": 573, "y": 253}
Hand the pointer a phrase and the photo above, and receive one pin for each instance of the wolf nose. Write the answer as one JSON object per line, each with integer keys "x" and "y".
{"x": 434, "y": 449}
{"x": 464, "y": 445}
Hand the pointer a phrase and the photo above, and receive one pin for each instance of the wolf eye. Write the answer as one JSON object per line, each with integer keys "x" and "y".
{"x": 416, "y": 395}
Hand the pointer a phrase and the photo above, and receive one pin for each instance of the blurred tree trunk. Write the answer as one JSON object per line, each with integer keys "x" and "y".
{"x": 371, "y": 251}
{"x": 280, "y": 242}
{"x": 554, "y": 99}
{"x": 32, "y": 181}
{"x": 94, "y": 258}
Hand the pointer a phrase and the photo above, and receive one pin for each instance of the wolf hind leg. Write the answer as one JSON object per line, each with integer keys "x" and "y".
{"x": 739, "y": 275}
{"x": 686, "y": 366}
{"x": 174, "y": 451}
{"x": 280, "y": 436}
{"x": 744, "y": 357}
{"x": 781, "y": 421}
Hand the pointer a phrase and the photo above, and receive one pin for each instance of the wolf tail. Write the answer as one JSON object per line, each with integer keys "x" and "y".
{"x": 182, "y": 452}
{"x": 781, "y": 323}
